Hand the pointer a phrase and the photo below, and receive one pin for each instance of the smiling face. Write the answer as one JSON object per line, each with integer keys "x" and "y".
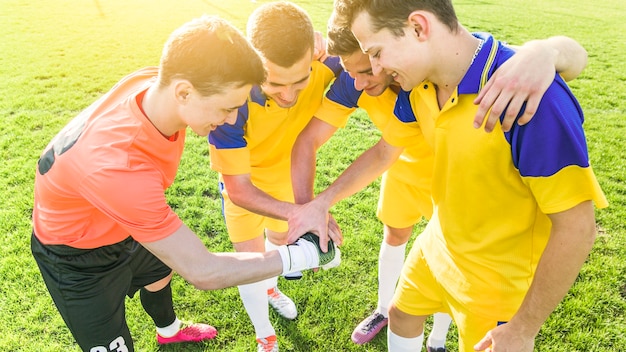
{"x": 283, "y": 85}
{"x": 398, "y": 56}
{"x": 204, "y": 113}
{"x": 358, "y": 67}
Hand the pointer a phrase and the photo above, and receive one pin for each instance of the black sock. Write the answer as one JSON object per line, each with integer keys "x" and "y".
{"x": 159, "y": 305}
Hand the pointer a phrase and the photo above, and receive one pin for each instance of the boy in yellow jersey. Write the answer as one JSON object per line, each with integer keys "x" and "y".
{"x": 252, "y": 155}
{"x": 405, "y": 187}
{"x": 499, "y": 276}
{"x": 102, "y": 228}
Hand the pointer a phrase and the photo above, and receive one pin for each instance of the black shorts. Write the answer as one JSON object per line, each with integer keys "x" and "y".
{"x": 88, "y": 287}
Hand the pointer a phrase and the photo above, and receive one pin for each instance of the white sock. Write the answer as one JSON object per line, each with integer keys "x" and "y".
{"x": 390, "y": 261}
{"x": 441, "y": 324}
{"x": 169, "y": 330}
{"x": 397, "y": 343}
{"x": 254, "y": 297}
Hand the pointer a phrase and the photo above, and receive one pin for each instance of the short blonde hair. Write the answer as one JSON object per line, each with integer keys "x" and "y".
{"x": 282, "y": 32}
{"x": 210, "y": 53}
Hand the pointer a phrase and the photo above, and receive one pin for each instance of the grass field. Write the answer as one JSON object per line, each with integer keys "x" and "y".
{"x": 57, "y": 56}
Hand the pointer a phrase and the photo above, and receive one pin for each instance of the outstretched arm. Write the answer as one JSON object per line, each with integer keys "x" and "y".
{"x": 525, "y": 78}
{"x": 303, "y": 160}
{"x": 304, "y": 156}
{"x": 245, "y": 194}
{"x": 313, "y": 216}
{"x": 571, "y": 239}
{"x": 186, "y": 254}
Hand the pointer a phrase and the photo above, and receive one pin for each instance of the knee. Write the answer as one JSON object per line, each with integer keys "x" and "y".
{"x": 395, "y": 314}
{"x": 404, "y": 324}
{"x": 397, "y": 236}
{"x": 159, "y": 285}
{"x": 277, "y": 238}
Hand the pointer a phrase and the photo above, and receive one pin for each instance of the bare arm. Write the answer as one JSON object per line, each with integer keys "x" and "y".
{"x": 304, "y": 155}
{"x": 525, "y": 78}
{"x": 319, "y": 50}
{"x": 245, "y": 194}
{"x": 571, "y": 240}
{"x": 570, "y": 56}
{"x": 186, "y": 254}
{"x": 303, "y": 160}
{"x": 313, "y": 216}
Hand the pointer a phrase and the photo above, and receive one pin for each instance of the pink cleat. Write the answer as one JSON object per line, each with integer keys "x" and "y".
{"x": 368, "y": 328}
{"x": 189, "y": 333}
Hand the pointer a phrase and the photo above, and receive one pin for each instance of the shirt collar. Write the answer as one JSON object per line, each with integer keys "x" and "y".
{"x": 482, "y": 67}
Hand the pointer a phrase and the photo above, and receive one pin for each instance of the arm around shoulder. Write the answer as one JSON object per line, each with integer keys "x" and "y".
{"x": 525, "y": 78}
{"x": 570, "y": 58}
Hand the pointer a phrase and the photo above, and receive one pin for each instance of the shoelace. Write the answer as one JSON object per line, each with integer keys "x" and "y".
{"x": 278, "y": 299}
{"x": 373, "y": 322}
{"x": 267, "y": 345}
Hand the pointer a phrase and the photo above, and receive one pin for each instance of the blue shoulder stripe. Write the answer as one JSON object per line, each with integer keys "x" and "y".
{"x": 554, "y": 138}
{"x": 257, "y": 95}
{"x": 343, "y": 92}
{"x": 402, "y": 110}
{"x": 334, "y": 64}
{"x": 229, "y": 136}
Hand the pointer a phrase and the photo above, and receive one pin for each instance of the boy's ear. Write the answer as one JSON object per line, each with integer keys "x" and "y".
{"x": 182, "y": 89}
{"x": 419, "y": 22}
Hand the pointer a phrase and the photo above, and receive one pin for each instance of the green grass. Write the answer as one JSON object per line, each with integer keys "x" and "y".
{"x": 57, "y": 56}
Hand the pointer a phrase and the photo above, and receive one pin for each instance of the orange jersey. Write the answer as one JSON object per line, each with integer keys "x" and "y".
{"x": 103, "y": 177}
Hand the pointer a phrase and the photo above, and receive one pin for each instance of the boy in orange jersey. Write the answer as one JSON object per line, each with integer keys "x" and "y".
{"x": 102, "y": 228}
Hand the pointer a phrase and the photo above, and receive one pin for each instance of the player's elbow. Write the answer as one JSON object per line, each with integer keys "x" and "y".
{"x": 589, "y": 229}
{"x": 589, "y": 233}
{"x": 206, "y": 282}
{"x": 575, "y": 227}
{"x": 236, "y": 194}
{"x": 584, "y": 230}
{"x": 238, "y": 198}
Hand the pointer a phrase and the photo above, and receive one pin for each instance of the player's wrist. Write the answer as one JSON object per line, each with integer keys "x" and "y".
{"x": 306, "y": 254}
{"x": 296, "y": 258}
{"x": 525, "y": 327}
{"x": 324, "y": 200}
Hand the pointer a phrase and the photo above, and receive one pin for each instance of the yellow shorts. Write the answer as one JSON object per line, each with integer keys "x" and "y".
{"x": 401, "y": 204}
{"x": 419, "y": 293}
{"x": 244, "y": 225}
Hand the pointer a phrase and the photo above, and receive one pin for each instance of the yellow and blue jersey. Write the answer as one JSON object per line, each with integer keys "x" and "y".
{"x": 414, "y": 166}
{"x": 492, "y": 191}
{"x": 260, "y": 141}
{"x": 342, "y": 99}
